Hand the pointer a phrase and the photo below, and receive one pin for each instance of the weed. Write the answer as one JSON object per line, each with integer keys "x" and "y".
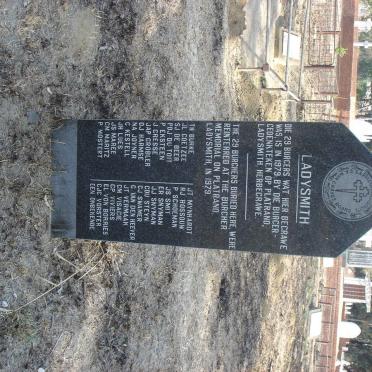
{"x": 341, "y": 51}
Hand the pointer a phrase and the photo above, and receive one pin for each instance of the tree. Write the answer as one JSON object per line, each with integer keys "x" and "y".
{"x": 368, "y": 4}
{"x": 364, "y": 97}
{"x": 360, "y": 348}
{"x": 359, "y": 272}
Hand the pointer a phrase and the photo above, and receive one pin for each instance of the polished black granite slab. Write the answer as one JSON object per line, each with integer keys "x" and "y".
{"x": 290, "y": 188}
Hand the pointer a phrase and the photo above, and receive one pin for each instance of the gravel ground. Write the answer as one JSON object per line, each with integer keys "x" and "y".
{"x": 128, "y": 307}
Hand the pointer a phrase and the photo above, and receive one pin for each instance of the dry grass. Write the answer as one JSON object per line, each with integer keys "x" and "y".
{"x": 82, "y": 272}
{"x": 284, "y": 316}
{"x": 78, "y": 305}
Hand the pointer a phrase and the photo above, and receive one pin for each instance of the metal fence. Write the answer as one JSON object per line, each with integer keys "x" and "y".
{"x": 326, "y": 82}
{"x": 319, "y": 78}
{"x": 312, "y": 81}
{"x": 324, "y": 32}
{"x": 322, "y": 49}
{"x": 317, "y": 110}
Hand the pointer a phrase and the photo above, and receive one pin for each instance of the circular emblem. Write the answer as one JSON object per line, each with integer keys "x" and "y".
{"x": 347, "y": 191}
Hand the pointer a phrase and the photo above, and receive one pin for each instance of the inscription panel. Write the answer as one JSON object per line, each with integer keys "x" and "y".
{"x": 292, "y": 188}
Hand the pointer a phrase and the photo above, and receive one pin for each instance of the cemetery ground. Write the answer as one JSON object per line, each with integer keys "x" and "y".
{"x": 122, "y": 307}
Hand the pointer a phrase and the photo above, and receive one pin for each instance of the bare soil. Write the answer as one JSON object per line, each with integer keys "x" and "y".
{"x": 128, "y": 307}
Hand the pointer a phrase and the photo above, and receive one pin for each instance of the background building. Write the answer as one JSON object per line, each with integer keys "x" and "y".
{"x": 360, "y": 253}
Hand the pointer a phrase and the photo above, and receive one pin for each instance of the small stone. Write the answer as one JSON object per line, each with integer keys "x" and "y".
{"x": 41, "y": 369}
{"x": 33, "y": 117}
{"x": 4, "y": 304}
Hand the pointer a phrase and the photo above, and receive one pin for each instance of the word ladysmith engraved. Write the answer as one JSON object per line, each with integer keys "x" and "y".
{"x": 291, "y": 188}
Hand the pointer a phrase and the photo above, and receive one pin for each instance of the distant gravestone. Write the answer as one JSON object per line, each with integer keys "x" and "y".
{"x": 289, "y": 188}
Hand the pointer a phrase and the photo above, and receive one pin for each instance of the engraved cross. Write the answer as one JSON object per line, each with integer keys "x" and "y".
{"x": 359, "y": 191}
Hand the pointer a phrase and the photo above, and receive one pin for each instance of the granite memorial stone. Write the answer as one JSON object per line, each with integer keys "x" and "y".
{"x": 289, "y": 188}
